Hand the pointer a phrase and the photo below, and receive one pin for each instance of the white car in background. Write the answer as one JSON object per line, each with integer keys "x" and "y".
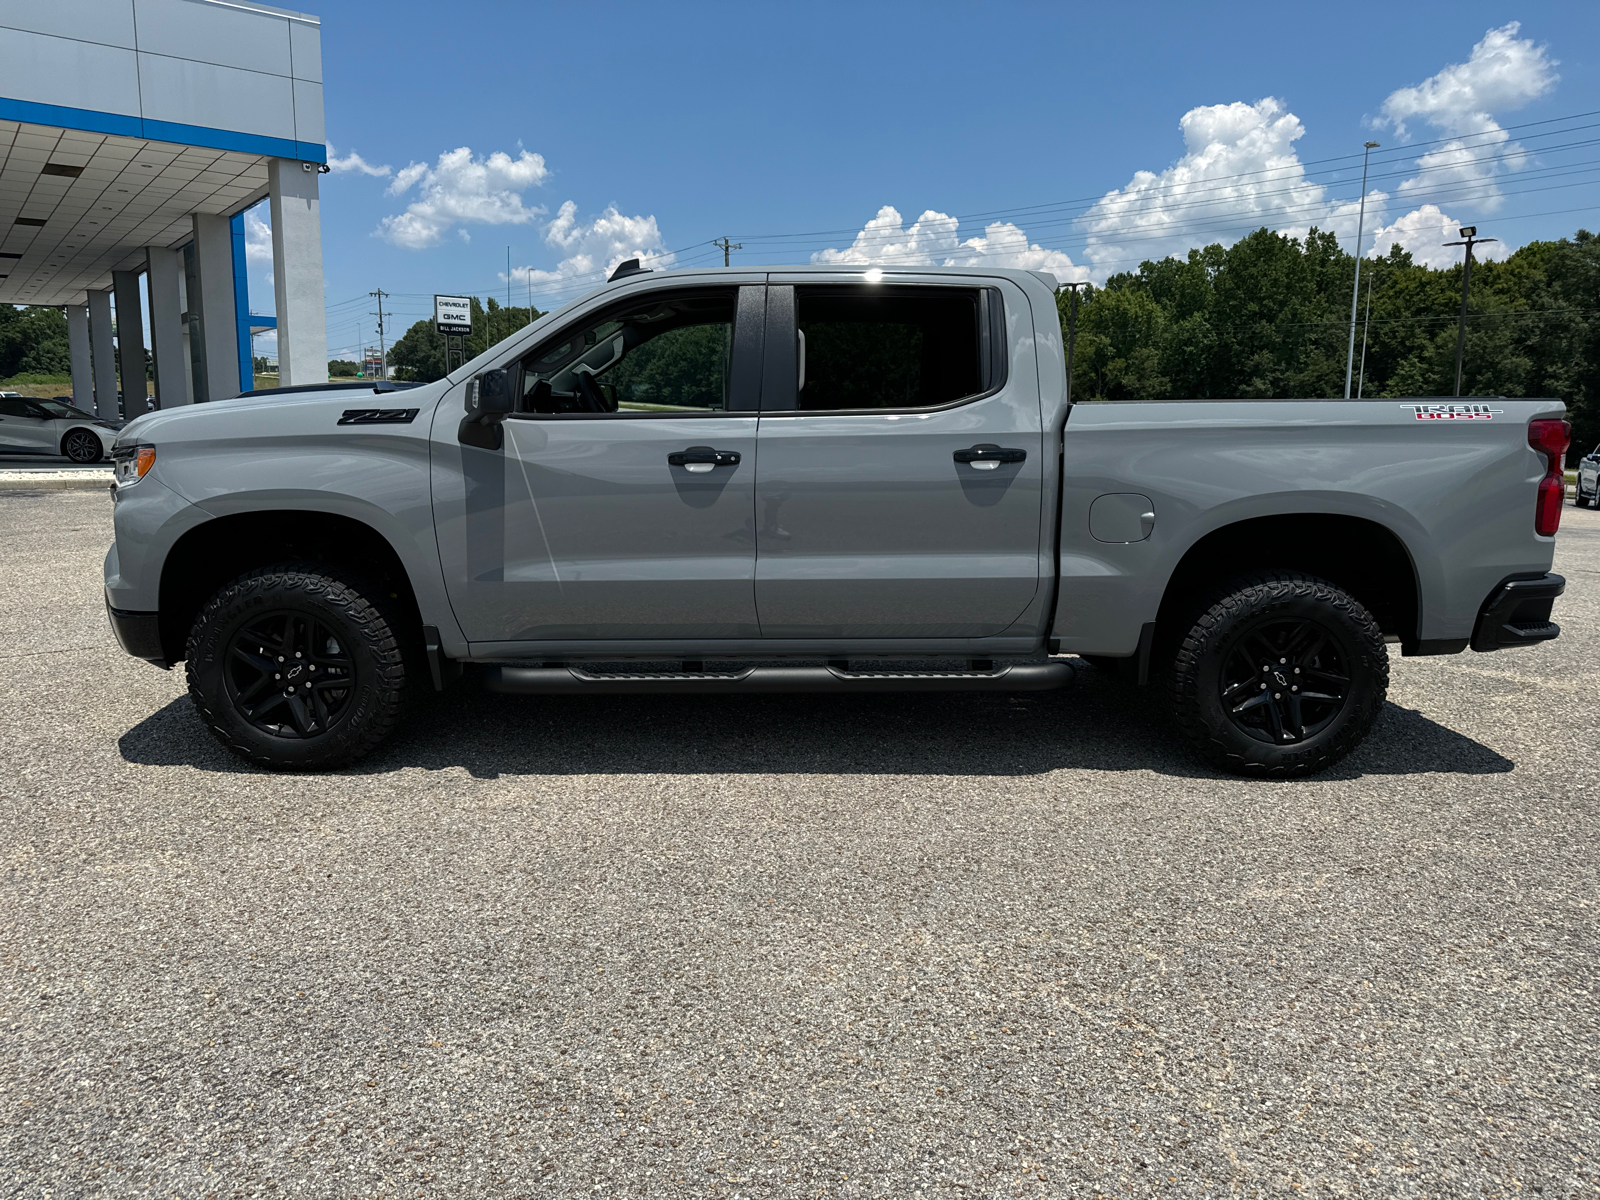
{"x": 29, "y": 426}
{"x": 1589, "y": 479}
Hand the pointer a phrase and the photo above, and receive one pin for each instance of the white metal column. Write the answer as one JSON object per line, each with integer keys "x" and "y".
{"x": 165, "y": 269}
{"x": 125, "y": 290}
{"x": 213, "y": 247}
{"x": 78, "y": 352}
{"x": 297, "y": 272}
{"x": 103, "y": 354}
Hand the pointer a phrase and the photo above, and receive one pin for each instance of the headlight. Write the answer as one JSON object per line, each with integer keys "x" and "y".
{"x": 129, "y": 463}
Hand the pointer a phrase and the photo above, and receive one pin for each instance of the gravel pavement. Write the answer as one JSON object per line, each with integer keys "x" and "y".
{"x": 981, "y": 946}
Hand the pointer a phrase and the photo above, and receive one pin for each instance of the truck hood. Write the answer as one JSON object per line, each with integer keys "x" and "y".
{"x": 245, "y": 416}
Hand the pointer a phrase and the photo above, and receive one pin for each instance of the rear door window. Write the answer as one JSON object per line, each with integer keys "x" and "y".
{"x": 867, "y": 348}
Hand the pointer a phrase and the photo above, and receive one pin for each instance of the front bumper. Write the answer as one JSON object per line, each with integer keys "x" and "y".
{"x": 139, "y": 633}
{"x": 1517, "y": 613}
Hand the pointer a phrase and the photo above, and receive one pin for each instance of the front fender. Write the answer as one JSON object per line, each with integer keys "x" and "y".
{"x": 275, "y": 453}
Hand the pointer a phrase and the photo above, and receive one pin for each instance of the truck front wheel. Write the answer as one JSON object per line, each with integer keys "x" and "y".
{"x": 295, "y": 669}
{"x": 1282, "y": 675}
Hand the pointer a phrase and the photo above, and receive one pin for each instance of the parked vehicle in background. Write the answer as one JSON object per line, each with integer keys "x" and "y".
{"x": 29, "y": 426}
{"x": 1589, "y": 479}
{"x": 874, "y": 479}
{"x": 62, "y": 407}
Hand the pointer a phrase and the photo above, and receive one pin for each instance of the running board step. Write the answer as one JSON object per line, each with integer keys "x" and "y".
{"x": 1024, "y": 677}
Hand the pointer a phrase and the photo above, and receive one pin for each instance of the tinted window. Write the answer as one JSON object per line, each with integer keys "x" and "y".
{"x": 57, "y": 409}
{"x": 670, "y": 354}
{"x": 14, "y": 408}
{"x": 913, "y": 348}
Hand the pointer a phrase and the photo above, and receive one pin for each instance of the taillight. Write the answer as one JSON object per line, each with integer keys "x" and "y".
{"x": 1550, "y": 438}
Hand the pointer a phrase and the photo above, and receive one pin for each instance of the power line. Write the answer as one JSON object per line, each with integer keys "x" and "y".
{"x": 1222, "y": 179}
{"x": 1172, "y": 198}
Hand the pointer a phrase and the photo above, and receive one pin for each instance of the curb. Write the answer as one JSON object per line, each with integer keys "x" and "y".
{"x": 51, "y": 481}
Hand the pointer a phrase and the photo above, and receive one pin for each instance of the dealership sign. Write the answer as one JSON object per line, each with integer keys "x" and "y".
{"x": 452, "y": 315}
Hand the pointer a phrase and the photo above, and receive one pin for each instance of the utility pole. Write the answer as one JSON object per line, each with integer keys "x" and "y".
{"x": 383, "y": 350}
{"x": 1361, "y": 379}
{"x": 1355, "y": 292}
{"x": 1470, "y": 238}
{"x": 726, "y": 247}
{"x": 1072, "y": 331}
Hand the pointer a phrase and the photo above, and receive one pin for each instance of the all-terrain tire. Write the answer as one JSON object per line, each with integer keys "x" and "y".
{"x": 363, "y": 635}
{"x": 1271, "y": 604}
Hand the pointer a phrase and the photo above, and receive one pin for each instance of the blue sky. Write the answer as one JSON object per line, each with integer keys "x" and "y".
{"x": 575, "y": 134}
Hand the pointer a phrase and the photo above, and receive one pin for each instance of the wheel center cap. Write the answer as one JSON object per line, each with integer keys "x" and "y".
{"x": 1282, "y": 679}
{"x": 293, "y": 671}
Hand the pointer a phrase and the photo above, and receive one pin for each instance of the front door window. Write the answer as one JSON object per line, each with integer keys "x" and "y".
{"x": 667, "y": 355}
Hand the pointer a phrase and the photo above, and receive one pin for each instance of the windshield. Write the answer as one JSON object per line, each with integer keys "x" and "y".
{"x": 57, "y": 409}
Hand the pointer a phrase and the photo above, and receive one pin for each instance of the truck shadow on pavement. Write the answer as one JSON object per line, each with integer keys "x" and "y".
{"x": 1097, "y": 724}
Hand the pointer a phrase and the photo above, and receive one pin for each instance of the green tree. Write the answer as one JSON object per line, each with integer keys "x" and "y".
{"x": 1269, "y": 317}
{"x": 33, "y": 341}
{"x": 418, "y": 356}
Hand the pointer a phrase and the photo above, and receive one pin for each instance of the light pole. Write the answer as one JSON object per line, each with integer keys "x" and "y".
{"x": 1072, "y": 330}
{"x": 1366, "y": 322}
{"x": 1355, "y": 292}
{"x": 1470, "y": 238}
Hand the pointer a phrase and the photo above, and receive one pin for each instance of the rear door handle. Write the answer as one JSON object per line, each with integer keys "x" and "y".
{"x": 700, "y": 459}
{"x": 986, "y": 456}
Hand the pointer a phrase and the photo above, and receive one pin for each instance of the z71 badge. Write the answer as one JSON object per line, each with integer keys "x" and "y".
{"x": 1454, "y": 412}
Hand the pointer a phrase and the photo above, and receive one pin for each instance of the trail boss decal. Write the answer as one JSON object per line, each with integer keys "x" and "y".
{"x": 1454, "y": 412}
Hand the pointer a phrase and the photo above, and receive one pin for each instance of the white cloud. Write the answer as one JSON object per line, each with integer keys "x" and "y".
{"x": 1423, "y": 232}
{"x": 932, "y": 241}
{"x": 594, "y": 248}
{"x": 1502, "y": 74}
{"x": 408, "y": 175}
{"x": 353, "y": 163}
{"x": 462, "y": 190}
{"x": 1239, "y": 172}
{"x": 257, "y": 238}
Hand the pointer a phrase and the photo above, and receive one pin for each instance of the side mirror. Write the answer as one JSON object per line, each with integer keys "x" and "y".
{"x": 491, "y": 397}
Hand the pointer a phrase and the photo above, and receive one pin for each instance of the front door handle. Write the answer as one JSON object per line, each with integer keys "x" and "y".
{"x": 700, "y": 459}
{"x": 986, "y": 456}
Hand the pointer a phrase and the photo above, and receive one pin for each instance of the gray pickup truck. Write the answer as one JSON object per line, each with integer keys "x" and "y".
{"x": 820, "y": 480}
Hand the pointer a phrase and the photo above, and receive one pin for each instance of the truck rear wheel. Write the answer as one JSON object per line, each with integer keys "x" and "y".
{"x": 295, "y": 669}
{"x": 1282, "y": 675}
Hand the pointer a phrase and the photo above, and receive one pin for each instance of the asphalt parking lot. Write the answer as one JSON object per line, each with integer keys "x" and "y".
{"x": 977, "y": 946}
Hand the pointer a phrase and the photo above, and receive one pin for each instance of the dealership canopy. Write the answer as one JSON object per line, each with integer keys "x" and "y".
{"x": 133, "y": 136}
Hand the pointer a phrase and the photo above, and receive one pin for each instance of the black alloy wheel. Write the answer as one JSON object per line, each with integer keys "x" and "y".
{"x": 1281, "y": 674}
{"x": 294, "y": 667}
{"x": 1284, "y": 680}
{"x": 288, "y": 675}
{"x": 81, "y": 446}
